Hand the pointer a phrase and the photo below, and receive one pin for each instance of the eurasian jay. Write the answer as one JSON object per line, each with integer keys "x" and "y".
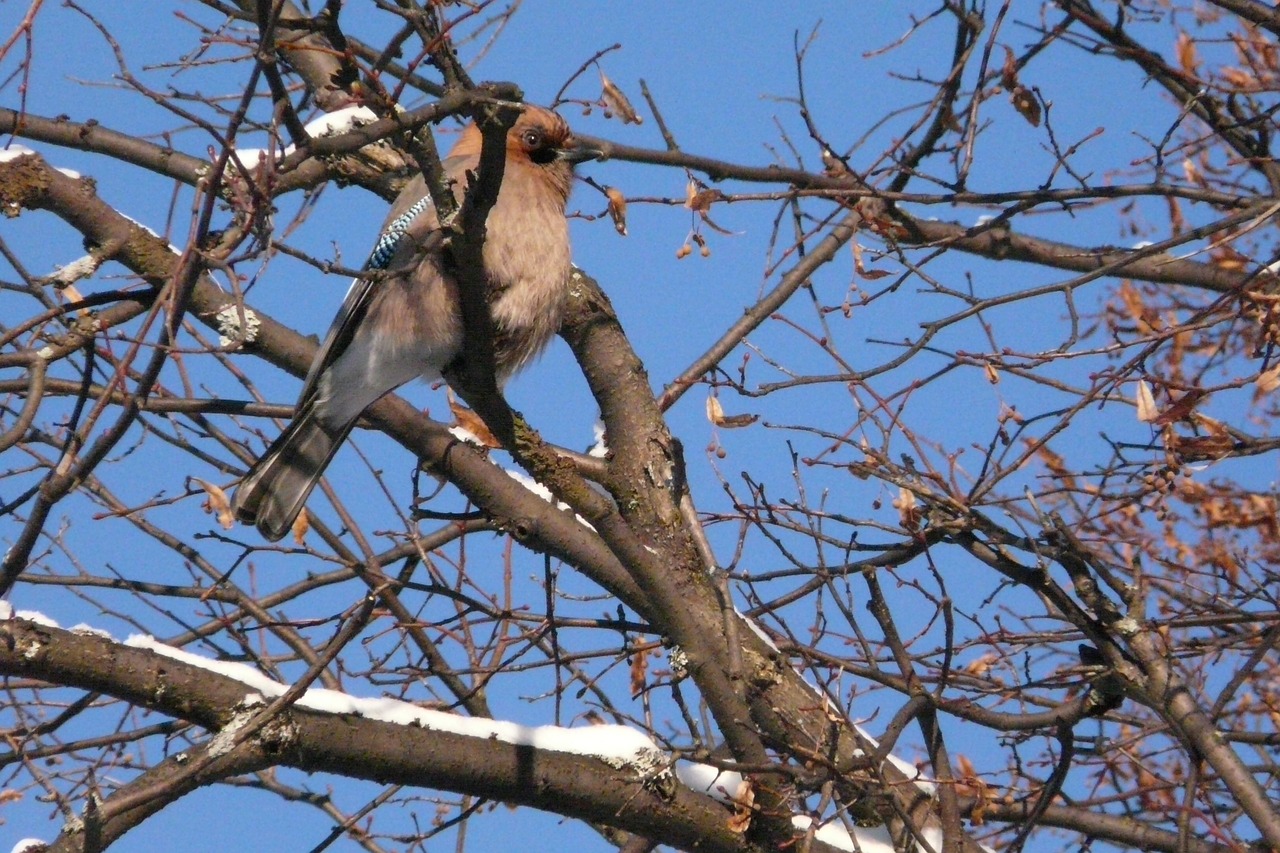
{"x": 407, "y": 321}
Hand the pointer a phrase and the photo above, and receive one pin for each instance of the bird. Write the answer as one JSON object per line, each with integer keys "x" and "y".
{"x": 405, "y": 322}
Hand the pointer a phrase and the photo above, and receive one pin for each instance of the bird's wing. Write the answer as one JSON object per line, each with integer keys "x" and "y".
{"x": 411, "y": 229}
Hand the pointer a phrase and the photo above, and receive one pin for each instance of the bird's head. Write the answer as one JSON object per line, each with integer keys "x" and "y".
{"x": 540, "y": 139}
{"x": 544, "y": 138}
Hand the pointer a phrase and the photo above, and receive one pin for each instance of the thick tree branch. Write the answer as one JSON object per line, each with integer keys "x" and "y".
{"x": 571, "y": 785}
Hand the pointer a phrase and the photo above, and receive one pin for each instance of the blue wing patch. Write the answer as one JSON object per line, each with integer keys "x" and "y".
{"x": 385, "y": 250}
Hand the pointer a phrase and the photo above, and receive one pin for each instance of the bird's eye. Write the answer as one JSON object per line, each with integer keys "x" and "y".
{"x": 538, "y": 146}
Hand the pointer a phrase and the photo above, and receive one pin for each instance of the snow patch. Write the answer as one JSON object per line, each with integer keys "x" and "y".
{"x": 908, "y": 769}
{"x": 543, "y": 492}
{"x": 712, "y": 781}
{"x": 335, "y": 123}
{"x": 7, "y": 612}
{"x": 866, "y": 839}
{"x": 340, "y": 121}
{"x": 30, "y": 845}
{"x": 90, "y": 631}
{"x": 599, "y": 448}
{"x": 14, "y": 151}
{"x": 756, "y": 629}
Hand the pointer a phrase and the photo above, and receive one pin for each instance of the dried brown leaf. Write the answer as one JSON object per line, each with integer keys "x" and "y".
{"x": 301, "y": 525}
{"x": 860, "y": 268}
{"x": 1009, "y": 71}
{"x": 1026, "y": 103}
{"x": 1181, "y": 408}
{"x": 472, "y": 423}
{"x": 1188, "y": 58}
{"x": 1211, "y": 426}
{"x": 1054, "y": 462}
{"x": 1191, "y": 448}
{"x": 744, "y": 801}
{"x": 715, "y": 414}
{"x": 616, "y": 103}
{"x": 981, "y": 792}
{"x": 701, "y": 200}
{"x": 1148, "y": 412}
{"x": 878, "y": 217}
{"x": 1022, "y": 98}
{"x": 639, "y": 671}
{"x": 1240, "y": 79}
{"x": 617, "y": 209}
{"x": 1177, "y": 222}
{"x": 982, "y": 665}
{"x": 1143, "y": 317}
{"x": 1227, "y": 258}
{"x": 1192, "y": 173}
{"x": 908, "y": 509}
{"x": 217, "y": 502}
{"x": 1267, "y": 381}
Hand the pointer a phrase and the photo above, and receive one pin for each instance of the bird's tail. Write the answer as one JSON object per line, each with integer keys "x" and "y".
{"x": 273, "y": 492}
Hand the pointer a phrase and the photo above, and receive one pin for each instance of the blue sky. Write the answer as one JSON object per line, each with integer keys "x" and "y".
{"x": 723, "y": 74}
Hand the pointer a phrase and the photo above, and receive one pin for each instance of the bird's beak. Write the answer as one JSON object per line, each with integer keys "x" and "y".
{"x": 579, "y": 152}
